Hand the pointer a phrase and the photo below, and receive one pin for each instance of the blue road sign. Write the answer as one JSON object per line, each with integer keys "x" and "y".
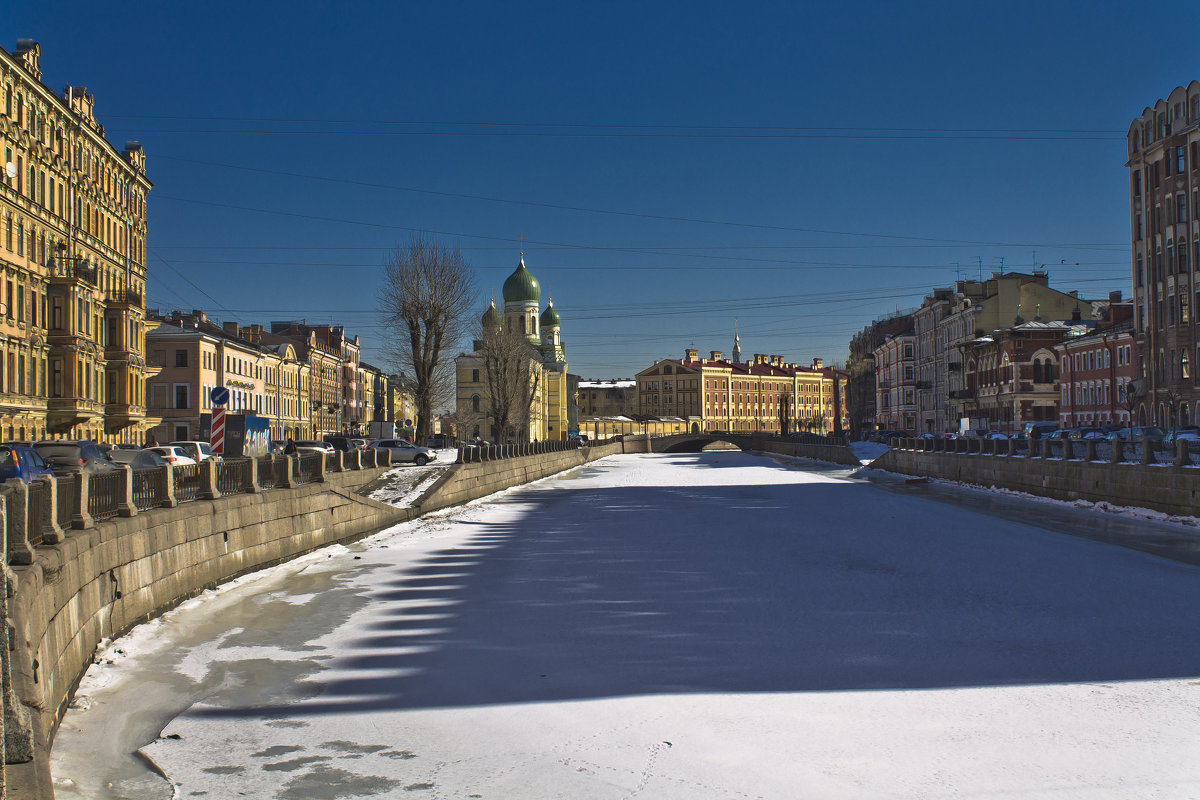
{"x": 219, "y": 395}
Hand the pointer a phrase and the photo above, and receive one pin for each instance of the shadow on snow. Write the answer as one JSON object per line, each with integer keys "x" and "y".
{"x": 601, "y": 592}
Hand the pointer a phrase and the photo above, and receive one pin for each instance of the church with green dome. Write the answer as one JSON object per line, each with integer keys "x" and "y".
{"x": 523, "y": 314}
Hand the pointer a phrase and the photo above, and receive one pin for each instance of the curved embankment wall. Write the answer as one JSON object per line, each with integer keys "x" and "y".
{"x": 1170, "y": 489}
{"x": 100, "y": 582}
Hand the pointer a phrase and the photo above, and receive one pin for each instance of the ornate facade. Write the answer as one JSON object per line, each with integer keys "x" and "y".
{"x": 72, "y": 296}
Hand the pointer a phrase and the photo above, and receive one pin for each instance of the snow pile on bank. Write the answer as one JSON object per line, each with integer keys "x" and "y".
{"x": 866, "y": 452}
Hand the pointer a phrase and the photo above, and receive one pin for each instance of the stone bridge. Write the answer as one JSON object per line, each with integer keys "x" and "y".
{"x": 697, "y": 442}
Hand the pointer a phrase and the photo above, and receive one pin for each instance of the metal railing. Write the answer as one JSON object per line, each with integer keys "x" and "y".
{"x": 68, "y": 499}
{"x": 308, "y": 466}
{"x": 266, "y": 472}
{"x": 39, "y": 511}
{"x": 187, "y": 482}
{"x": 104, "y": 494}
{"x": 233, "y": 476}
{"x": 149, "y": 487}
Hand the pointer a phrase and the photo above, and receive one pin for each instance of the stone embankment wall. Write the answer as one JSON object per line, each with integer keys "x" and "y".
{"x": 98, "y": 582}
{"x": 1173, "y": 489}
{"x": 830, "y": 451}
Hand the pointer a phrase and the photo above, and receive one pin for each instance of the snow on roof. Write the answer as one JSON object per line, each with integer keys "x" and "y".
{"x": 607, "y": 384}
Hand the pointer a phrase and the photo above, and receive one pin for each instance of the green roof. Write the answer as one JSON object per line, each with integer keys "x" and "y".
{"x": 550, "y": 318}
{"x": 491, "y": 317}
{"x": 521, "y": 286}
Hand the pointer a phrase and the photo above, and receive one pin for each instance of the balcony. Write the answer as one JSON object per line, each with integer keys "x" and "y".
{"x": 71, "y": 270}
{"x": 125, "y": 297}
{"x": 118, "y": 416}
{"x": 64, "y": 413}
{"x": 962, "y": 394}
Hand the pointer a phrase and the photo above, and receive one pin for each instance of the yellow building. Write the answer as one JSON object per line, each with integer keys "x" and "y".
{"x": 72, "y": 297}
{"x": 548, "y": 411}
{"x": 765, "y": 394}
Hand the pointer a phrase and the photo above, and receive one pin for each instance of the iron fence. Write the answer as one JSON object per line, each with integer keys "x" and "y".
{"x": 266, "y": 472}
{"x": 281, "y": 470}
{"x": 104, "y": 494}
{"x": 149, "y": 487}
{"x": 308, "y": 466}
{"x": 68, "y": 499}
{"x": 187, "y": 482}
{"x": 39, "y": 512}
{"x": 233, "y": 476}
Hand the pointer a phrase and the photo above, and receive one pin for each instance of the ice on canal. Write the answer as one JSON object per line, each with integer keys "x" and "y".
{"x": 687, "y": 626}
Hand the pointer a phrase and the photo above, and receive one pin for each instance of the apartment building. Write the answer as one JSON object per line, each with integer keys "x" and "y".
{"x": 1164, "y": 225}
{"x": 896, "y": 384}
{"x": 764, "y": 394}
{"x": 336, "y": 392}
{"x": 1094, "y": 371}
{"x": 72, "y": 296}
{"x": 196, "y": 355}
{"x": 861, "y": 368}
{"x": 979, "y": 309}
{"x": 610, "y": 398}
{"x": 931, "y": 373}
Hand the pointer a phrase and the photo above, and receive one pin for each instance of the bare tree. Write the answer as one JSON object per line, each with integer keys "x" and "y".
{"x": 426, "y": 300}
{"x": 511, "y": 379}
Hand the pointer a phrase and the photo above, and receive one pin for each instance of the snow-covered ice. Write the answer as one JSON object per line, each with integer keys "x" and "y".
{"x": 713, "y": 625}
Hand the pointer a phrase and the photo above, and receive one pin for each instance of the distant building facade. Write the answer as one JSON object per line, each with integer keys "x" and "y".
{"x": 607, "y": 398}
{"x": 896, "y": 384}
{"x": 764, "y": 394}
{"x": 1164, "y": 225}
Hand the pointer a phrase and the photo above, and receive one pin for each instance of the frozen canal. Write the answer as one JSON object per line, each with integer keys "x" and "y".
{"x": 690, "y": 627}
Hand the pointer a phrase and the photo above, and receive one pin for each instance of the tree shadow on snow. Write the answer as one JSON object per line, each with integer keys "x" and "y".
{"x": 787, "y": 587}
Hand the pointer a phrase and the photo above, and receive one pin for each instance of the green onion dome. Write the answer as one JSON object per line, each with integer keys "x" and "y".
{"x": 492, "y": 318}
{"x": 549, "y": 318}
{"x": 521, "y": 286}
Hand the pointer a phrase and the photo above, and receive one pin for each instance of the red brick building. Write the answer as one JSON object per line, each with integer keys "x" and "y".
{"x": 1093, "y": 372}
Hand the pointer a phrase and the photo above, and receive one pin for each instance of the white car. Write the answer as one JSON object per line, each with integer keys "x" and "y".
{"x": 197, "y": 451}
{"x": 174, "y": 455}
{"x": 403, "y": 450}
{"x": 308, "y": 446}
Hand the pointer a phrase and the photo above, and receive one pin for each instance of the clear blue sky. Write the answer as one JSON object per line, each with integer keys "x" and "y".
{"x": 800, "y": 166}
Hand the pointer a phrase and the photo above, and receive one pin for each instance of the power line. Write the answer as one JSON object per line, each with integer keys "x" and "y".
{"x": 560, "y": 207}
{"x": 411, "y": 229}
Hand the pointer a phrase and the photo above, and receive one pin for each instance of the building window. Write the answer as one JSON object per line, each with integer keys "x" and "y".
{"x": 181, "y": 395}
{"x": 181, "y": 360}
{"x": 474, "y": 376}
{"x": 1181, "y": 207}
{"x": 1180, "y": 160}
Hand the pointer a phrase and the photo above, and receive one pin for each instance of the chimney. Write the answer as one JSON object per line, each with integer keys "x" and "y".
{"x": 690, "y": 354}
{"x": 199, "y": 315}
{"x": 1076, "y": 315}
{"x": 1114, "y": 297}
{"x": 230, "y": 328}
{"x": 818, "y": 363}
{"x": 715, "y": 355}
{"x": 777, "y": 361}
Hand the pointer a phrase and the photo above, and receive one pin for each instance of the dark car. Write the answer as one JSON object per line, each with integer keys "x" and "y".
{"x": 343, "y": 443}
{"x": 1185, "y": 432}
{"x": 138, "y": 459}
{"x": 22, "y": 462}
{"x": 70, "y": 456}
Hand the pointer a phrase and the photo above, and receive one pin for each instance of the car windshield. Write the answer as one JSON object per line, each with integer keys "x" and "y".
{"x": 59, "y": 450}
{"x": 205, "y": 448}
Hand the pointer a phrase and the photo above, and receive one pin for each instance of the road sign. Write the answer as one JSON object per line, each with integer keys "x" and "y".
{"x": 217, "y": 437}
{"x": 219, "y": 396}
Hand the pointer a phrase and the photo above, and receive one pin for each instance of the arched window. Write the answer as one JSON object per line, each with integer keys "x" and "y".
{"x": 1185, "y": 370}
{"x": 475, "y": 402}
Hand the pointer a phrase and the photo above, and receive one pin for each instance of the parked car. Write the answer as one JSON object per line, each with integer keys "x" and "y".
{"x": 174, "y": 455}
{"x": 1182, "y": 432}
{"x": 138, "y": 459}
{"x": 403, "y": 450}
{"x": 22, "y": 462}
{"x": 72, "y": 456}
{"x": 1138, "y": 433}
{"x": 310, "y": 446}
{"x": 123, "y": 446}
{"x": 197, "y": 451}
{"x": 1037, "y": 430}
{"x": 1080, "y": 434}
{"x": 343, "y": 443}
